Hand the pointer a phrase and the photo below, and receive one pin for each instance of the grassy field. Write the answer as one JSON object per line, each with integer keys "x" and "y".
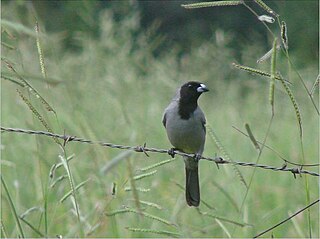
{"x": 114, "y": 90}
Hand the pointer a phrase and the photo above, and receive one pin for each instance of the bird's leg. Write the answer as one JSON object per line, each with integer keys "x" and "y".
{"x": 171, "y": 152}
{"x": 197, "y": 157}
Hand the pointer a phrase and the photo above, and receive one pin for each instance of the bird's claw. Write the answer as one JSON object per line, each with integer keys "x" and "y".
{"x": 197, "y": 157}
{"x": 172, "y": 152}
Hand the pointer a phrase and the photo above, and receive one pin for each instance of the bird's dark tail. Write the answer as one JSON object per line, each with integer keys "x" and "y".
{"x": 192, "y": 186}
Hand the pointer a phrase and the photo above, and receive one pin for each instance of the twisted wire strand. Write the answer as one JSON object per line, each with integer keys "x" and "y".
{"x": 144, "y": 149}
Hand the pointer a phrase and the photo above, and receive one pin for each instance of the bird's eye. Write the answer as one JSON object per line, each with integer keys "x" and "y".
{"x": 189, "y": 85}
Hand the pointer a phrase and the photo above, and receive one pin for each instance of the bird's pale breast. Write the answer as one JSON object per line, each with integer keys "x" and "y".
{"x": 186, "y": 135}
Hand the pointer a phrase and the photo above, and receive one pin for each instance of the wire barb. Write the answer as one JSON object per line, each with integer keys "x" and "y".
{"x": 171, "y": 152}
{"x": 144, "y": 149}
{"x": 67, "y": 138}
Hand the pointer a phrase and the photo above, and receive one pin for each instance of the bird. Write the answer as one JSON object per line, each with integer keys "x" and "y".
{"x": 185, "y": 122}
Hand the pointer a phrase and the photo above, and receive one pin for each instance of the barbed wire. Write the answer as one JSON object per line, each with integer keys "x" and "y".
{"x": 144, "y": 149}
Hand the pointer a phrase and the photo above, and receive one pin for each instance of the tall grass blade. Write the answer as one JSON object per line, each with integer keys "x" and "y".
{"x": 266, "y": 8}
{"x": 258, "y": 72}
{"x": 135, "y": 193}
{"x": 295, "y": 105}
{"x": 40, "y": 53}
{"x": 150, "y": 204}
{"x": 223, "y": 228}
{"x": 68, "y": 160}
{"x": 278, "y": 153}
{"x": 31, "y": 89}
{"x": 273, "y": 72}
{"x": 251, "y": 136}
{"x": 297, "y": 226}
{"x": 37, "y": 114}
{"x": 315, "y": 85}
{"x": 4, "y": 233}
{"x": 13, "y": 209}
{"x": 287, "y": 219}
{"x": 211, "y": 4}
{"x": 45, "y": 207}
{"x": 128, "y": 210}
{"x": 30, "y": 210}
{"x": 258, "y": 158}
{"x": 228, "y": 196}
{"x": 116, "y": 212}
{"x": 115, "y": 161}
{"x": 17, "y": 27}
{"x": 267, "y": 55}
{"x": 75, "y": 189}
{"x": 142, "y": 190}
{"x": 302, "y": 82}
{"x": 160, "y": 232}
{"x": 157, "y": 165}
{"x": 225, "y": 219}
{"x": 114, "y": 227}
{"x": 8, "y": 78}
{"x": 307, "y": 189}
{"x": 144, "y": 175}
{"x": 225, "y": 154}
{"x": 33, "y": 228}
{"x": 10, "y": 47}
{"x": 93, "y": 229}
{"x": 49, "y": 80}
{"x": 65, "y": 164}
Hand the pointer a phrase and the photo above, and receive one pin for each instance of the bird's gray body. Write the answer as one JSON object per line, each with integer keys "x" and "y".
{"x": 186, "y": 132}
{"x": 186, "y": 135}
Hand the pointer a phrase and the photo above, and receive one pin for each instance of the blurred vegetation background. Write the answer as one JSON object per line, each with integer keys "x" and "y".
{"x": 111, "y": 67}
{"x": 182, "y": 29}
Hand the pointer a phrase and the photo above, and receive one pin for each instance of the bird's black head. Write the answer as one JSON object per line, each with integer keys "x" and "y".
{"x": 189, "y": 94}
{"x": 191, "y": 91}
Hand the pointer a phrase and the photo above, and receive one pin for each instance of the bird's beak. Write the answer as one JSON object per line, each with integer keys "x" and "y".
{"x": 202, "y": 88}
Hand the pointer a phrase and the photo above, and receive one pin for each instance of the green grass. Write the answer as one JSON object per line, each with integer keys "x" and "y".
{"x": 114, "y": 90}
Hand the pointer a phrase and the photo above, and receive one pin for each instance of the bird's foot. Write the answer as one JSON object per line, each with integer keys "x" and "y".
{"x": 172, "y": 152}
{"x": 197, "y": 157}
